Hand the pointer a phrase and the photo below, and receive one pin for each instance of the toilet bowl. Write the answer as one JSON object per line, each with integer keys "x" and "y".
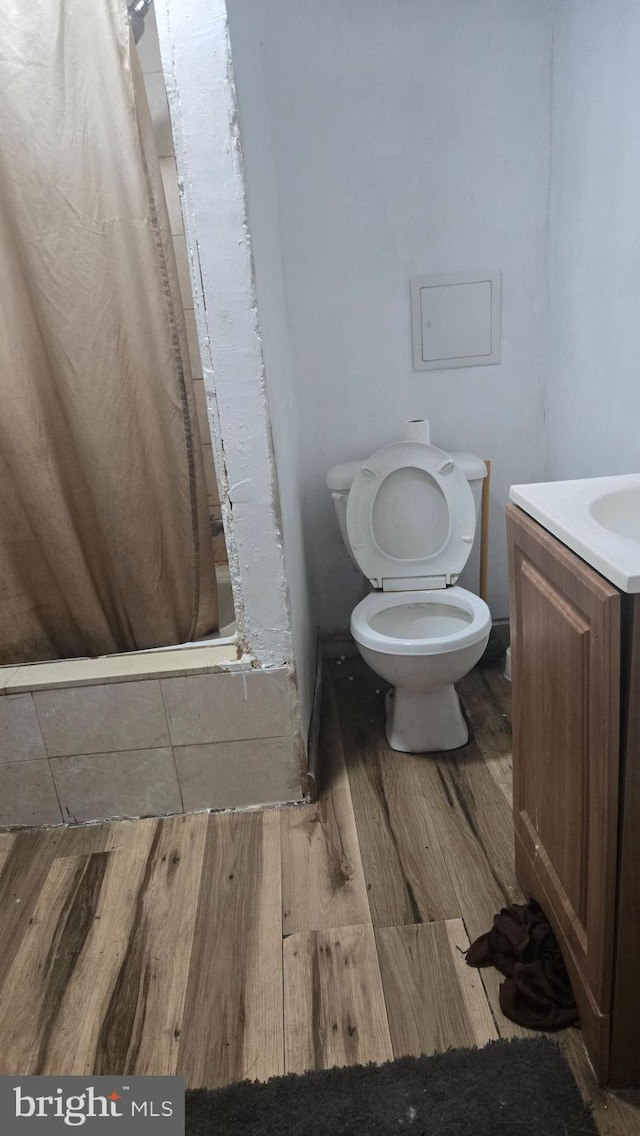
{"x": 422, "y": 643}
{"x": 408, "y": 516}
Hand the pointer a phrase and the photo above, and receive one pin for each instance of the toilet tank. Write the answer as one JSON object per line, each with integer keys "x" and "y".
{"x": 340, "y": 479}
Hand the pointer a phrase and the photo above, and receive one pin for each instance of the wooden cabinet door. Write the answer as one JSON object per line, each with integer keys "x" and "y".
{"x": 565, "y": 635}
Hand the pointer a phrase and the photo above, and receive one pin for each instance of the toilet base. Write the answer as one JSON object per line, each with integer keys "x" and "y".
{"x": 425, "y": 722}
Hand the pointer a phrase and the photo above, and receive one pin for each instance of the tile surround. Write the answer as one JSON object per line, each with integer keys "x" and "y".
{"x": 147, "y": 748}
{"x": 230, "y": 775}
{"x": 148, "y": 46}
{"x": 210, "y": 475}
{"x": 101, "y": 719}
{"x": 226, "y": 611}
{"x": 192, "y": 342}
{"x": 201, "y": 408}
{"x": 206, "y": 708}
{"x": 20, "y": 737}
{"x": 169, "y": 173}
{"x": 184, "y": 271}
{"x": 119, "y": 668}
{"x": 220, "y": 555}
{"x": 159, "y": 108}
{"x": 27, "y": 794}
{"x": 125, "y": 784}
{"x": 6, "y": 674}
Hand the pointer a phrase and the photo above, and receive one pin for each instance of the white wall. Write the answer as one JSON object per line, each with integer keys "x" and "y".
{"x": 266, "y": 240}
{"x": 151, "y": 64}
{"x": 197, "y": 67}
{"x": 385, "y": 139}
{"x": 593, "y": 388}
{"x": 409, "y": 137}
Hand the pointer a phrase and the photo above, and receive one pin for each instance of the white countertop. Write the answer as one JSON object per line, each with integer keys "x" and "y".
{"x": 598, "y": 517}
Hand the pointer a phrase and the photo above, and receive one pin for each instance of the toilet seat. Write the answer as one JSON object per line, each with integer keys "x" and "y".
{"x": 411, "y": 518}
{"x": 420, "y": 612}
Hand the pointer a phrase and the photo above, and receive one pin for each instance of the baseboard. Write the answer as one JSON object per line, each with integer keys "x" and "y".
{"x": 313, "y": 742}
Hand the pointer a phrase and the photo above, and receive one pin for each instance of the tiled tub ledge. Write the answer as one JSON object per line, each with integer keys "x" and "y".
{"x": 129, "y": 667}
{"x": 144, "y": 735}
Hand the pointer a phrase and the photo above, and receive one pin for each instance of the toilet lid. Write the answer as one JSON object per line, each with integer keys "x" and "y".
{"x": 411, "y": 517}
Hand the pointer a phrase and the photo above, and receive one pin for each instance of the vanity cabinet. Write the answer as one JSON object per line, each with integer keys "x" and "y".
{"x": 576, "y": 762}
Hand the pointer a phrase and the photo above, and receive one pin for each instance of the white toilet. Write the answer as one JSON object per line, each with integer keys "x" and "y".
{"x": 407, "y": 515}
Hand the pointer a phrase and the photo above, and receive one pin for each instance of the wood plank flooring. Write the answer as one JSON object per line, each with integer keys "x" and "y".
{"x": 334, "y": 1004}
{"x": 248, "y": 944}
{"x": 232, "y": 1022}
{"x": 434, "y": 999}
{"x": 322, "y": 877}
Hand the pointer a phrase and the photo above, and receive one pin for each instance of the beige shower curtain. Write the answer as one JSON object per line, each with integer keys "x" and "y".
{"x": 105, "y": 542}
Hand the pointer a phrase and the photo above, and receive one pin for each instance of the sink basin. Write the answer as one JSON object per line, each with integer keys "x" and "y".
{"x": 619, "y": 511}
{"x": 597, "y": 517}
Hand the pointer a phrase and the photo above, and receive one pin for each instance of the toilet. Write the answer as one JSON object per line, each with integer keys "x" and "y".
{"x": 408, "y": 515}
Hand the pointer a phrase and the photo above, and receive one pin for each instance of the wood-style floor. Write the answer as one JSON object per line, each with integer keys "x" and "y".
{"x": 249, "y": 944}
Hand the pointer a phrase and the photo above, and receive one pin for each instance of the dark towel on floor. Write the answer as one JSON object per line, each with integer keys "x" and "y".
{"x": 536, "y": 992}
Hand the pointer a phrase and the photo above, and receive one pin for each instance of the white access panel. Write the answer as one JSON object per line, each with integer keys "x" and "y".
{"x": 456, "y": 320}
